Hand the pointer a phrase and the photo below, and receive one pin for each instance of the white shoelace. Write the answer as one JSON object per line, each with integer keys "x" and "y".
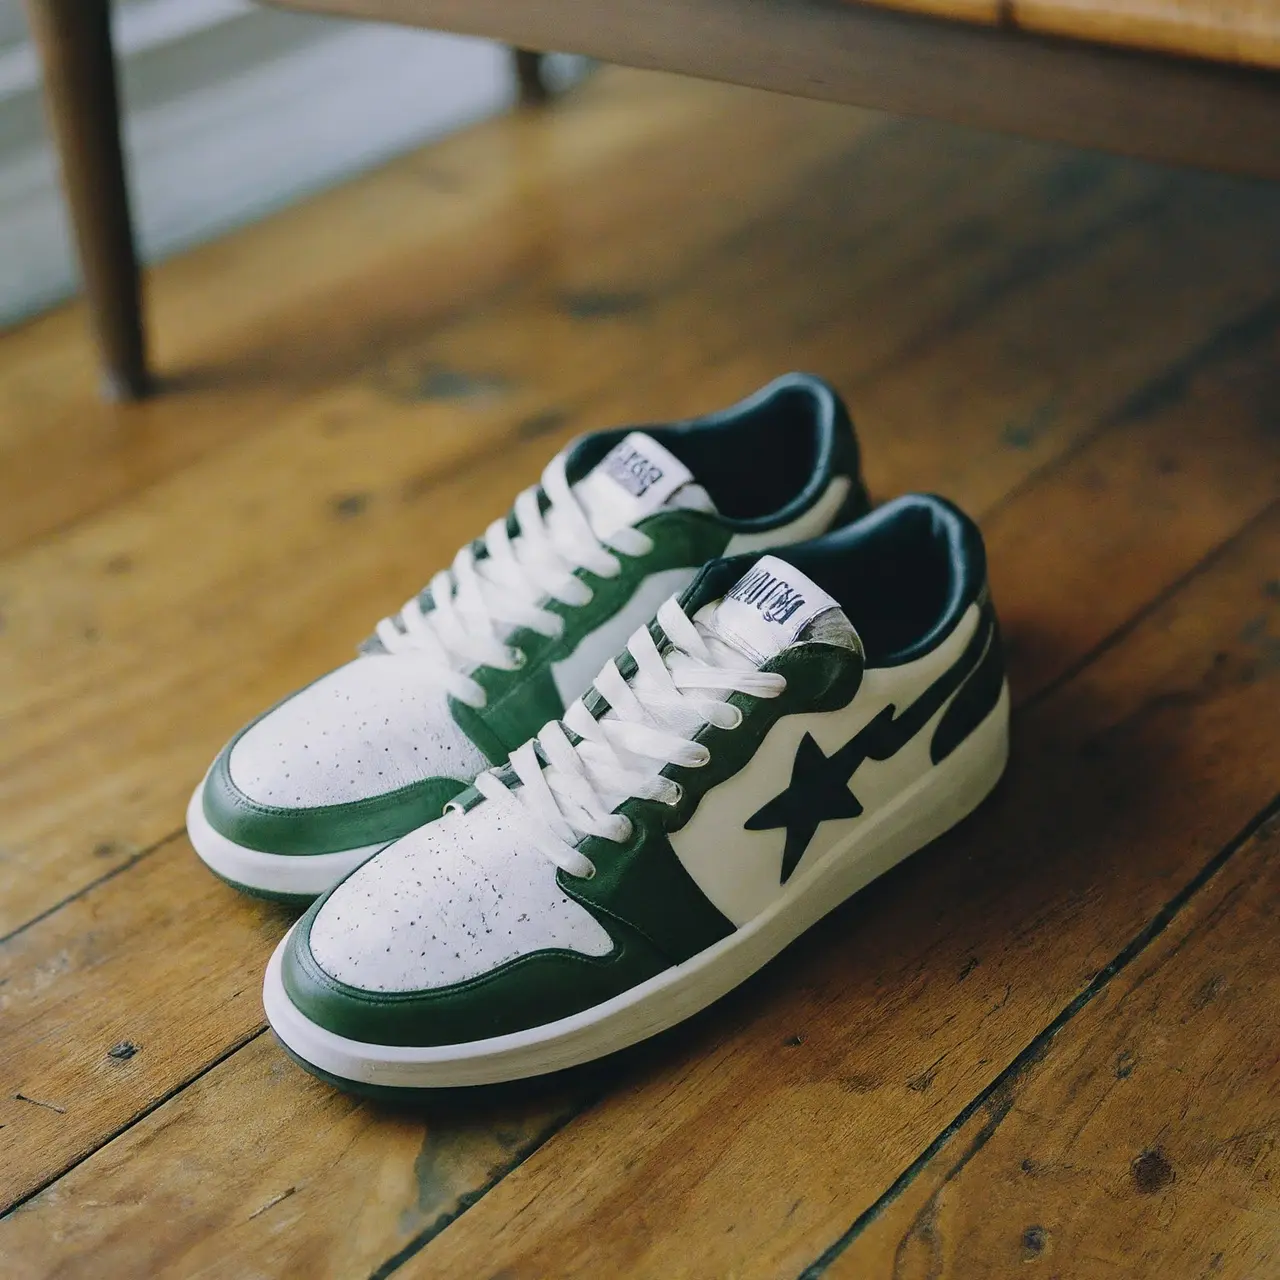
{"x": 622, "y": 754}
{"x": 476, "y": 601}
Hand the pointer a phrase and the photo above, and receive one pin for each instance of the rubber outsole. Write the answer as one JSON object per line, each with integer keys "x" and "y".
{"x": 293, "y": 878}
{"x": 935, "y": 803}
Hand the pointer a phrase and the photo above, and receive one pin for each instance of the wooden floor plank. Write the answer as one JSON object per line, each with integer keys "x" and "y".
{"x": 169, "y": 599}
{"x": 312, "y": 474}
{"x": 1140, "y": 1140}
{"x": 122, "y": 589}
{"x": 1200, "y": 491}
{"x": 64, "y": 1024}
{"x": 305, "y": 302}
{"x": 759, "y": 1134}
{"x": 418, "y": 1172}
{"x": 1082, "y": 351}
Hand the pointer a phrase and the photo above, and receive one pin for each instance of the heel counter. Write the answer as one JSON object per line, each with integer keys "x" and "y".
{"x": 856, "y": 504}
{"x": 846, "y": 460}
{"x": 980, "y": 694}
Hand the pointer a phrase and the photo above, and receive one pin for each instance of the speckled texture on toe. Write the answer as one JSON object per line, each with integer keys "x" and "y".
{"x": 449, "y": 903}
{"x": 373, "y": 726}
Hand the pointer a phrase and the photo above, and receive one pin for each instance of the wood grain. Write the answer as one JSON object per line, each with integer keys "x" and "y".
{"x": 1140, "y": 1140}
{"x": 58, "y": 1022}
{"x": 309, "y": 308}
{"x": 1082, "y": 351}
{"x": 1221, "y": 116}
{"x": 748, "y": 1144}
{"x": 1242, "y": 31}
{"x": 162, "y": 960}
{"x": 289, "y": 1214}
{"x": 957, "y": 304}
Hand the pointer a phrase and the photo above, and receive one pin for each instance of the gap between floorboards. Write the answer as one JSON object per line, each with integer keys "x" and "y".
{"x": 1039, "y": 1045}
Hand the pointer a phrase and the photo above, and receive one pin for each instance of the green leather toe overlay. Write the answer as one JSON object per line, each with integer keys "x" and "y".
{"x": 324, "y": 828}
{"x": 534, "y": 989}
{"x": 644, "y": 884}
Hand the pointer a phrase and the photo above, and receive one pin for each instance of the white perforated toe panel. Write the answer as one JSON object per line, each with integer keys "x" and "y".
{"x": 372, "y": 726}
{"x": 453, "y": 900}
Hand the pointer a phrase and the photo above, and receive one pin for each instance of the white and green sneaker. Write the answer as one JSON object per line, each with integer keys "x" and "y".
{"x": 514, "y": 631}
{"x": 789, "y": 729}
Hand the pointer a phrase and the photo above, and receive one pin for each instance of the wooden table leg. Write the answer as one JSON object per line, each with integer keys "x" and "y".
{"x": 532, "y": 89}
{"x": 74, "y": 40}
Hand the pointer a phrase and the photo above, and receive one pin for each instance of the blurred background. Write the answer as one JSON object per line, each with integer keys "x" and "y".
{"x": 232, "y": 111}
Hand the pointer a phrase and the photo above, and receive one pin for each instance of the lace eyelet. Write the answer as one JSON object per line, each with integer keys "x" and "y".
{"x": 676, "y": 797}
{"x": 518, "y": 658}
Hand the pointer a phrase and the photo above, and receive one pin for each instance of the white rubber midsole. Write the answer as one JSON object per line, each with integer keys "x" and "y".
{"x": 288, "y": 873}
{"x": 940, "y": 799}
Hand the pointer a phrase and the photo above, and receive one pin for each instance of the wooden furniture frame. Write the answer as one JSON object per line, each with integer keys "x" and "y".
{"x": 1172, "y": 109}
{"x": 82, "y": 97}
{"x": 74, "y": 40}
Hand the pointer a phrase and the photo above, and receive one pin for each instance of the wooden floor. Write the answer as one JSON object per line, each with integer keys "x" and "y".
{"x": 1047, "y": 1046}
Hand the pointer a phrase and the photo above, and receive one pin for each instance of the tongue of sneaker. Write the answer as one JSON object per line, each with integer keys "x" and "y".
{"x": 774, "y": 605}
{"x": 633, "y": 480}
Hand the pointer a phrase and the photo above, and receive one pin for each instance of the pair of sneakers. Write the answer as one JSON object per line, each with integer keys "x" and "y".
{"x": 688, "y": 697}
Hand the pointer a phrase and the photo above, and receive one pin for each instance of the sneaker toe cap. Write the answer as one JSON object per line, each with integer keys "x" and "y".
{"x": 362, "y": 756}
{"x": 438, "y": 941}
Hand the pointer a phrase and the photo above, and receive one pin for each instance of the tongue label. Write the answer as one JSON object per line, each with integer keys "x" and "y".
{"x": 632, "y": 468}
{"x": 633, "y": 480}
{"x": 768, "y": 607}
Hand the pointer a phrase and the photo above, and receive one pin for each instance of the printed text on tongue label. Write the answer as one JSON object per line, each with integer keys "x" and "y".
{"x": 775, "y": 598}
{"x": 632, "y": 470}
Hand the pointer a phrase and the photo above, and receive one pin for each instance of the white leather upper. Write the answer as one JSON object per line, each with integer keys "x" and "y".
{"x": 740, "y": 870}
{"x": 376, "y": 724}
{"x": 452, "y": 901}
{"x": 809, "y": 524}
{"x": 574, "y": 673}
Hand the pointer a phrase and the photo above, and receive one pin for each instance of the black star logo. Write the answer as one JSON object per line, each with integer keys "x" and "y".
{"x": 819, "y": 792}
{"x": 819, "y": 788}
